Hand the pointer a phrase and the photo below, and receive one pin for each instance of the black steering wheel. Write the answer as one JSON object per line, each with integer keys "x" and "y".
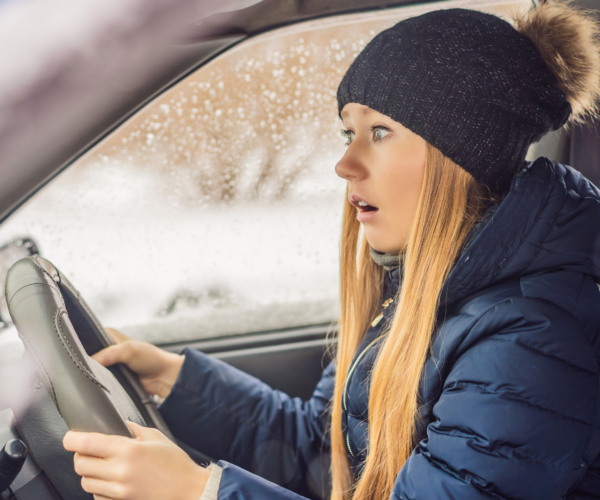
{"x": 60, "y": 332}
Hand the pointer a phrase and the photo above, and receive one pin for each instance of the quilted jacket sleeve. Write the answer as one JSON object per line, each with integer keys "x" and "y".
{"x": 518, "y": 415}
{"x": 232, "y": 416}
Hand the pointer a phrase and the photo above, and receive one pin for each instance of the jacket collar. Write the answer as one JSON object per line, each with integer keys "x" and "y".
{"x": 549, "y": 220}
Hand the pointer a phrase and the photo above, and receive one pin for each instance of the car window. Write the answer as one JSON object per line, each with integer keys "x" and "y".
{"x": 216, "y": 210}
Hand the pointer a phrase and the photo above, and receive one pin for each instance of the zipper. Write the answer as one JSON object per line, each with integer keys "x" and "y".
{"x": 348, "y": 443}
{"x": 345, "y": 392}
{"x": 374, "y": 323}
{"x": 385, "y": 305}
{"x": 351, "y": 371}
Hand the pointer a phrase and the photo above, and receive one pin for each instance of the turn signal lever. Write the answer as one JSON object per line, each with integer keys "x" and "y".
{"x": 12, "y": 458}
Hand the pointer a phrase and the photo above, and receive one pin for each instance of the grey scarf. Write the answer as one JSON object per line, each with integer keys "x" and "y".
{"x": 389, "y": 261}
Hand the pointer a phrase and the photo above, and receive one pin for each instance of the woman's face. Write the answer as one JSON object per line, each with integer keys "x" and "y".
{"x": 384, "y": 166}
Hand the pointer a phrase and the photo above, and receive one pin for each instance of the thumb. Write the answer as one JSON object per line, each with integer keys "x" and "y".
{"x": 145, "y": 433}
{"x": 116, "y": 336}
{"x": 119, "y": 353}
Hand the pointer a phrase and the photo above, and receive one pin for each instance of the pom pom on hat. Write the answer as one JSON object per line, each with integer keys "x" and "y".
{"x": 568, "y": 40}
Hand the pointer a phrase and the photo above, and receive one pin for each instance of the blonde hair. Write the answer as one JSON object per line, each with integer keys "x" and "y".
{"x": 449, "y": 203}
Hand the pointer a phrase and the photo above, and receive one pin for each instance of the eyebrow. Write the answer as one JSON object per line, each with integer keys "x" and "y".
{"x": 365, "y": 110}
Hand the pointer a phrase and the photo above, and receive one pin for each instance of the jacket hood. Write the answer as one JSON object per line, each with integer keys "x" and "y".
{"x": 550, "y": 220}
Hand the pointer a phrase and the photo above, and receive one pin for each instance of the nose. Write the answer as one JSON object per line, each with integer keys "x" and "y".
{"x": 350, "y": 167}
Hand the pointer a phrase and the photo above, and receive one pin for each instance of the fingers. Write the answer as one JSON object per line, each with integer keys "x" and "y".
{"x": 92, "y": 444}
{"x": 149, "y": 466}
{"x": 146, "y": 433}
{"x": 119, "y": 353}
{"x": 98, "y": 468}
{"x": 116, "y": 336}
{"x": 103, "y": 489}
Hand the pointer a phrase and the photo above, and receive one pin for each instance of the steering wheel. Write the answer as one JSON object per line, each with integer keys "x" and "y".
{"x": 60, "y": 332}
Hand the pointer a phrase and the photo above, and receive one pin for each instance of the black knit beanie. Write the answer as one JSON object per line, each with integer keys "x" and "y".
{"x": 467, "y": 82}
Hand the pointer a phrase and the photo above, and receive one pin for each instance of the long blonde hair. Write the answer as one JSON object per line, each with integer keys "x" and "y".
{"x": 449, "y": 204}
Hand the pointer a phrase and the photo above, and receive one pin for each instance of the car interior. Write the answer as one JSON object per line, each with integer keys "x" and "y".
{"x": 211, "y": 86}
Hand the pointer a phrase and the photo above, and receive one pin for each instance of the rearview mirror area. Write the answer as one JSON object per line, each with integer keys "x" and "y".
{"x": 9, "y": 254}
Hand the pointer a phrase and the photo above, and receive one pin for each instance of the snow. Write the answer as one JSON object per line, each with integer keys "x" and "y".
{"x": 247, "y": 266}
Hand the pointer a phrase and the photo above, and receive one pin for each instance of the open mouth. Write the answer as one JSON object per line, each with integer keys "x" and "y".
{"x": 362, "y": 205}
{"x": 365, "y": 207}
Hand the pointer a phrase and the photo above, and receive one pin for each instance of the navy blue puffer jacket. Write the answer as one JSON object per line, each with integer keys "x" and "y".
{"x": 510, "y": 393}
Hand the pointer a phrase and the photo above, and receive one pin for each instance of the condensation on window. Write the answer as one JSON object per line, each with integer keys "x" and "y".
{"x": 216, "y": 209}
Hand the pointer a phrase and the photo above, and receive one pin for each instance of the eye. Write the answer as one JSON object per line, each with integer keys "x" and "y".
{"x": 379, "y": 132}
{"x": 348, "y": 135}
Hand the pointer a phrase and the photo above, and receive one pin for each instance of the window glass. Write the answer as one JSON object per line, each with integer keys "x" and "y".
{"x": 216, "y": 209}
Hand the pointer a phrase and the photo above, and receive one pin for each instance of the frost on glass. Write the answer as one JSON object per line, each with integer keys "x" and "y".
{"x": 216, "y": 209}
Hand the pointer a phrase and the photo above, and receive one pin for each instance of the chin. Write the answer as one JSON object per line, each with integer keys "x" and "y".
{"x": 392, "y": 251}
{"x": 383, "y": 247}
{"x": 379, "y": 238}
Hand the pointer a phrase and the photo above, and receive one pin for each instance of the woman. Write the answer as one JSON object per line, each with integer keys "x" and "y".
{"x": 467, "y": 358}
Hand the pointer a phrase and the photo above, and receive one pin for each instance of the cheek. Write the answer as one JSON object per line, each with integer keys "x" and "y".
{"x": 403, "y": 185}
{"x": 398, "y": 181}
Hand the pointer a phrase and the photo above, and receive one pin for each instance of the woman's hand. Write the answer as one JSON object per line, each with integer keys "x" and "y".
{"x": 149, "y": 467}
{"x": 157, "y": 369}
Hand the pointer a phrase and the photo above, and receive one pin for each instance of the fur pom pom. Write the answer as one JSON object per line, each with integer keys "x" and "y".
{"x": 568, "y": 40}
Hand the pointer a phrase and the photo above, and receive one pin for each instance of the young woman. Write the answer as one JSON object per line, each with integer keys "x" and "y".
{"x": 467, "y": 356}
